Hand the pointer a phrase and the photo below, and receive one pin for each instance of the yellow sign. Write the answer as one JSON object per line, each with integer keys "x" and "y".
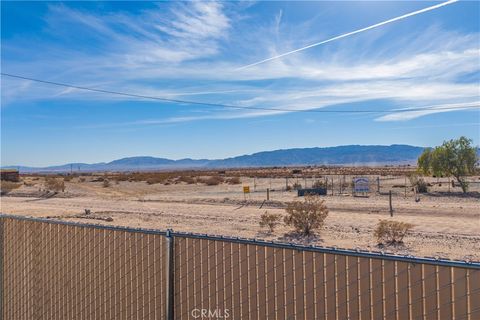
{"x": 246, "y": 189}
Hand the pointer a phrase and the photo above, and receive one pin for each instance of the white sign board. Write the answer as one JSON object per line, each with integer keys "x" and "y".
{"x": 360, "y": 185}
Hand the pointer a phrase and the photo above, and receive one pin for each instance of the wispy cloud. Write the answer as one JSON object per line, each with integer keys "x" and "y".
{"x": 431, "y": 110}
{"x": 351, "y": 33}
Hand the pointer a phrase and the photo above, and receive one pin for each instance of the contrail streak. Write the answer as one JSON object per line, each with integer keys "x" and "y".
{"x": 351, "y": 33}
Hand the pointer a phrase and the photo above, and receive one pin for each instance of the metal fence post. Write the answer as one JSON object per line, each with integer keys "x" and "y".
{"x": 169, "y": 269}
{"x": 390, "y": 203}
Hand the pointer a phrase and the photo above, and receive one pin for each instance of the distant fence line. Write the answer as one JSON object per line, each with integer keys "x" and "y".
{"x": 63, "y": 270}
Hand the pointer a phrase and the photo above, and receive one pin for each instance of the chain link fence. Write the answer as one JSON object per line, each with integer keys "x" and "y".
{"x": 59, "y": 270}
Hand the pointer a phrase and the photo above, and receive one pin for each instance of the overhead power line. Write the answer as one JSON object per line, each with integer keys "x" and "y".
{"x": 221, "y": 105}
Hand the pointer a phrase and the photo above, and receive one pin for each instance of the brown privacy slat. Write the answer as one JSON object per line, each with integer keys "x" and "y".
{"x": 190, "y": 276}
{"x": 270, "y": 282}
{"x": 49, "y": 281}
{"x": 364, "y": 292}
{"x": 262, "y": 283}
{"x": 416, "y": 290}
{"x": 377, "y": 289}
{"x": 389, "y": 292}
{"x": 319, "y": 283}
{"x": 341, "y": 285}
{"x": 279, "y": 284}
{"x": 252, "y": 282}
{"x": 111, "y": 275}
{"x": 150, "y": 276}
{"x": 402, "y": 289}
{"x": 244, "y": 311}
{"x": 353, "y": 285}
{"x": 128, "y": 275}
{"x": 211, "y": 289}
{"x": 119, "y": 253}
{"x": 204, "y": 274}
{"x": 179, "y": 269}
{"x": 474, "y": 294}
{"x": 289, "y": 285}
{"x": 430, "y": 291}
{"x": 460, "y": 290}
{"x": 236, "y": 288}
{"x": 197, "y": 259}
{"x": 228, "y": 278}
{"x": 299, "y": 285}
{"x": 331, "y": 294}
{"x": 309, "y": 285}
{"x": 184, "y": 294}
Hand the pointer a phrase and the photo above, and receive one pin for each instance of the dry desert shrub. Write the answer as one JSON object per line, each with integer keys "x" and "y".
{"x": 54, "y": 184}
{"x": 391, "y": 232}
{"x": 419, "y": 183}
{"x": 81, "y": 179}
{"x": 270, "y": 220}
{"x": 154, "y": 180}
{"x": 7, "y": 186}
{"x": 67, "y": 178}
{"x": 106, "y": 183}
{"x": 306, "y": 216}
{"x": 213, "y": 181}
{"x": 186, "y": 179}
{"x": 28, "y": 183}
{"x": 233, "y": 180}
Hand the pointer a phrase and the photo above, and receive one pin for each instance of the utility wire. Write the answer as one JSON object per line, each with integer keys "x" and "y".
{"x": 221, "y": 105}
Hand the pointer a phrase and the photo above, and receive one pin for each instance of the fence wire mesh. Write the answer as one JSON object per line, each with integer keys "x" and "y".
{"x": 67, "y": 271}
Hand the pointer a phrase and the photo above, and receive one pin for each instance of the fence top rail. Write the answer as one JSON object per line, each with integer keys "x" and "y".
{"x": 261, "y": 242}
{"x": 84, "y": 225}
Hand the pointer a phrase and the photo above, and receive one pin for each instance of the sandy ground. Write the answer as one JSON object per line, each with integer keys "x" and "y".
{"x": 447, "y": 224}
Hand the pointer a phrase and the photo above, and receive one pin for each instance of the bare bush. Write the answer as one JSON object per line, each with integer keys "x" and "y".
{"x": 81, "y": 179}
{"x": 186, "y": 179}
{"x": 67, "y": 178}
{"x": 306, "y": 216}
{"x": 106, "y": 183}
{"x": 213, "y": 181}
{"x": 419, "y": 183}
{"x": 155, "y": 179}
{"x": 28, "y": 183}
{"x": 270, "y": 220}
{"x": 54, "y": 184}
{"x": 7, "y": 186}
{"x": 233, "y": 180}
{"x": 391, "y": 232}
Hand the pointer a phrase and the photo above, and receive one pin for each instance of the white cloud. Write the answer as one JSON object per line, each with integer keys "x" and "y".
{"x": 409, "y": 115}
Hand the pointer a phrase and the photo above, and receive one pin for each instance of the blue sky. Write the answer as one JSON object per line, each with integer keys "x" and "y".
{"x": 193, "y": 51}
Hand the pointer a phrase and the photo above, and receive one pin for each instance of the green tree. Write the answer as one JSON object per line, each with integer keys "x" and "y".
{"x": 454, "y": 158}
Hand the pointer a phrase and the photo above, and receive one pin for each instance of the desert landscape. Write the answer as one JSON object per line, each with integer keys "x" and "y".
{"x": 446, "y": 221}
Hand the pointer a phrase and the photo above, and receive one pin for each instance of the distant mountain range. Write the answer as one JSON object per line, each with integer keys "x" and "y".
{"x": 355, "y": 155}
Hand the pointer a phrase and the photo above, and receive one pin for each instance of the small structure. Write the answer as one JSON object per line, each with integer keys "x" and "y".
{"x": 10, "y": 175}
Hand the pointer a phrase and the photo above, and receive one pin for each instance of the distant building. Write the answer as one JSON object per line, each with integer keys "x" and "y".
{"x": 10, "y": 175}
